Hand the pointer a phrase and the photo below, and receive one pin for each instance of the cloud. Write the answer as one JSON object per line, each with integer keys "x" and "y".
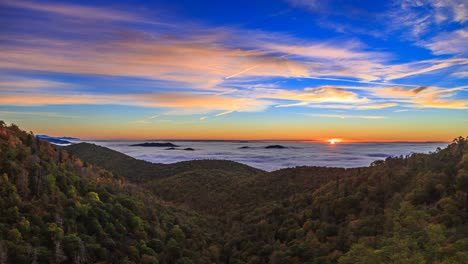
{"x": 45, "y": 114}
{"x": 323, "y": 94}
{"x": 368, "y": 106}
{"x": 188, "y": 103}
{"x": 346, "y": 97}
{"x": 225, "y": 113}
{"x": 347, "y": 116}
{"x": 419, "y": 18}
{"x": 22, "y": 84}
{"x": 454, "y": 42}
{"x": 453, "y": 10}
{"x": 461, "y": 74}
{"x": 426, "y": 97}
{"x": 77, "y": 11}
{"x": 399, "y": 92}
{"x": 323, "y": 51}
{"x": 201, "y": 69}
{"x": 195, "y": 55}
{"x": 425, "y": 67}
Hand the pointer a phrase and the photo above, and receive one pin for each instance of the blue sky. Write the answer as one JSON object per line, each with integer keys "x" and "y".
{"x": 290, "y": 69}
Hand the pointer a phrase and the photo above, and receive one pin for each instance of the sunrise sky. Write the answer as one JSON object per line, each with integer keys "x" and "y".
{"x": 292, "y": 69}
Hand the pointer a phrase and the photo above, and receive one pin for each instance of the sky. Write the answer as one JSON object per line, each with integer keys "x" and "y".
{"x": 286, "y": 69}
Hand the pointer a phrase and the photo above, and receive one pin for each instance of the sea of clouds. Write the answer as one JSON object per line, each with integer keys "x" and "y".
{"x": 256, "y": 155}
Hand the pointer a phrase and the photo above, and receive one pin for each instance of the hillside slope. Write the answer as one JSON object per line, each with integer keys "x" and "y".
{"x": 210, "y": 186}
{"x": 56, "y": 209}
{"x": 403, "y": 210}
{"x": 137, "y": 170}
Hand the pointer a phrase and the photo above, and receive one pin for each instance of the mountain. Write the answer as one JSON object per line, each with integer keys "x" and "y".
{"x": 138, "y": 170}
{"x": 55, "y": 140}
{"x": 154, "y": 144}
{"x": 85, "y": 204}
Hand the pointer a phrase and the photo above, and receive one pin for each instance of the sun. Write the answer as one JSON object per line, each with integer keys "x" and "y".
{"x": 333, "y": 141}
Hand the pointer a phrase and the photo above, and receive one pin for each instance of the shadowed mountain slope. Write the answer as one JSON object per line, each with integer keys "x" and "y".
{"x": 134, "y": 169}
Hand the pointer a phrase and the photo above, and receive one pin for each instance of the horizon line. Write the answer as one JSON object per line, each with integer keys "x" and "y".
{"x": 344, "y": 141}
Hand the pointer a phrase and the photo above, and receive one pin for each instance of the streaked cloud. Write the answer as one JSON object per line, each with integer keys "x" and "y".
{"x": 454, "y": 42}
{"x": 72, "y": 10}
{"x": 347, "y": 116}
{"x": 189, "y": 103}
{"x": 43, "y": 114}
{"x": 461, "y": 74}
{"x": 194, "y": 54}
{"x": 324, "y": 94}
{"x": 426, "y": 97}
{"x": 212, "y": 70}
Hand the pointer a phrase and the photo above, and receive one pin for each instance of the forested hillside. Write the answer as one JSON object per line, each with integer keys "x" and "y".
{"x": 401, "y": 210}
{"x": 138, "y": 170}
{"x": 56, "y": 209}
{"x": 112, "y": 208}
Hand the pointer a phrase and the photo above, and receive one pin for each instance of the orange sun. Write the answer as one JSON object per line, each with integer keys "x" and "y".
{"x": 333, "y": 141}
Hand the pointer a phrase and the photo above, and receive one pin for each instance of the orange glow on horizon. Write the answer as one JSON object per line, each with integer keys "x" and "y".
{"x": 333, "y": 141}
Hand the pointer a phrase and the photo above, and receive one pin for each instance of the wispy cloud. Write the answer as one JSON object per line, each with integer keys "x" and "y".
{"x": 210, "y": 70}
{"x": 77, "y": 11}
{"x": 423, "y": 67}
{"x": 196, "y": 55}
{"x": 454, "y": 42}
{"x": 461, "y": 74}
{"x": 189, "y": 103}
{"x": 32, "y": 85}
{"x": 225, "y": 113}
{"x": 347, "y": 116}
{"x": 45, "y": 114}
{"x": 426, "y": 97}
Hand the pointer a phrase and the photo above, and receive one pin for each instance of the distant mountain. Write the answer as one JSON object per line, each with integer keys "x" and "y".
{"x": 53, "y": 140}
{"x": 275, "y": 147}
{"x": 156, "y": 144}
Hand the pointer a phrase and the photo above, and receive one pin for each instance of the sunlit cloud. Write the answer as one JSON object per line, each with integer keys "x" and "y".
{"x": 324, "y": 94}
{"x": 225, "y": 113}
{"x": 213, "y": 71}
{"x": 188, "y": 103}
{"x": 371, "y": 106}
{"x": 426, "y": 97}
{"x": 44, "y": 114}
{"x": 195, "y": 55}
{"x": 77, "y": 11}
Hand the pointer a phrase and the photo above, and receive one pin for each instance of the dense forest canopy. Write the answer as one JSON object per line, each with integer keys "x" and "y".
{"x": 89, "y": 204}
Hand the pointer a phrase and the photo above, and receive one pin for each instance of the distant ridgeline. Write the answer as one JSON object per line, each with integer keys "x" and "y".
{"x": 85, "y": 204}
{"x": 56, "y": 140}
